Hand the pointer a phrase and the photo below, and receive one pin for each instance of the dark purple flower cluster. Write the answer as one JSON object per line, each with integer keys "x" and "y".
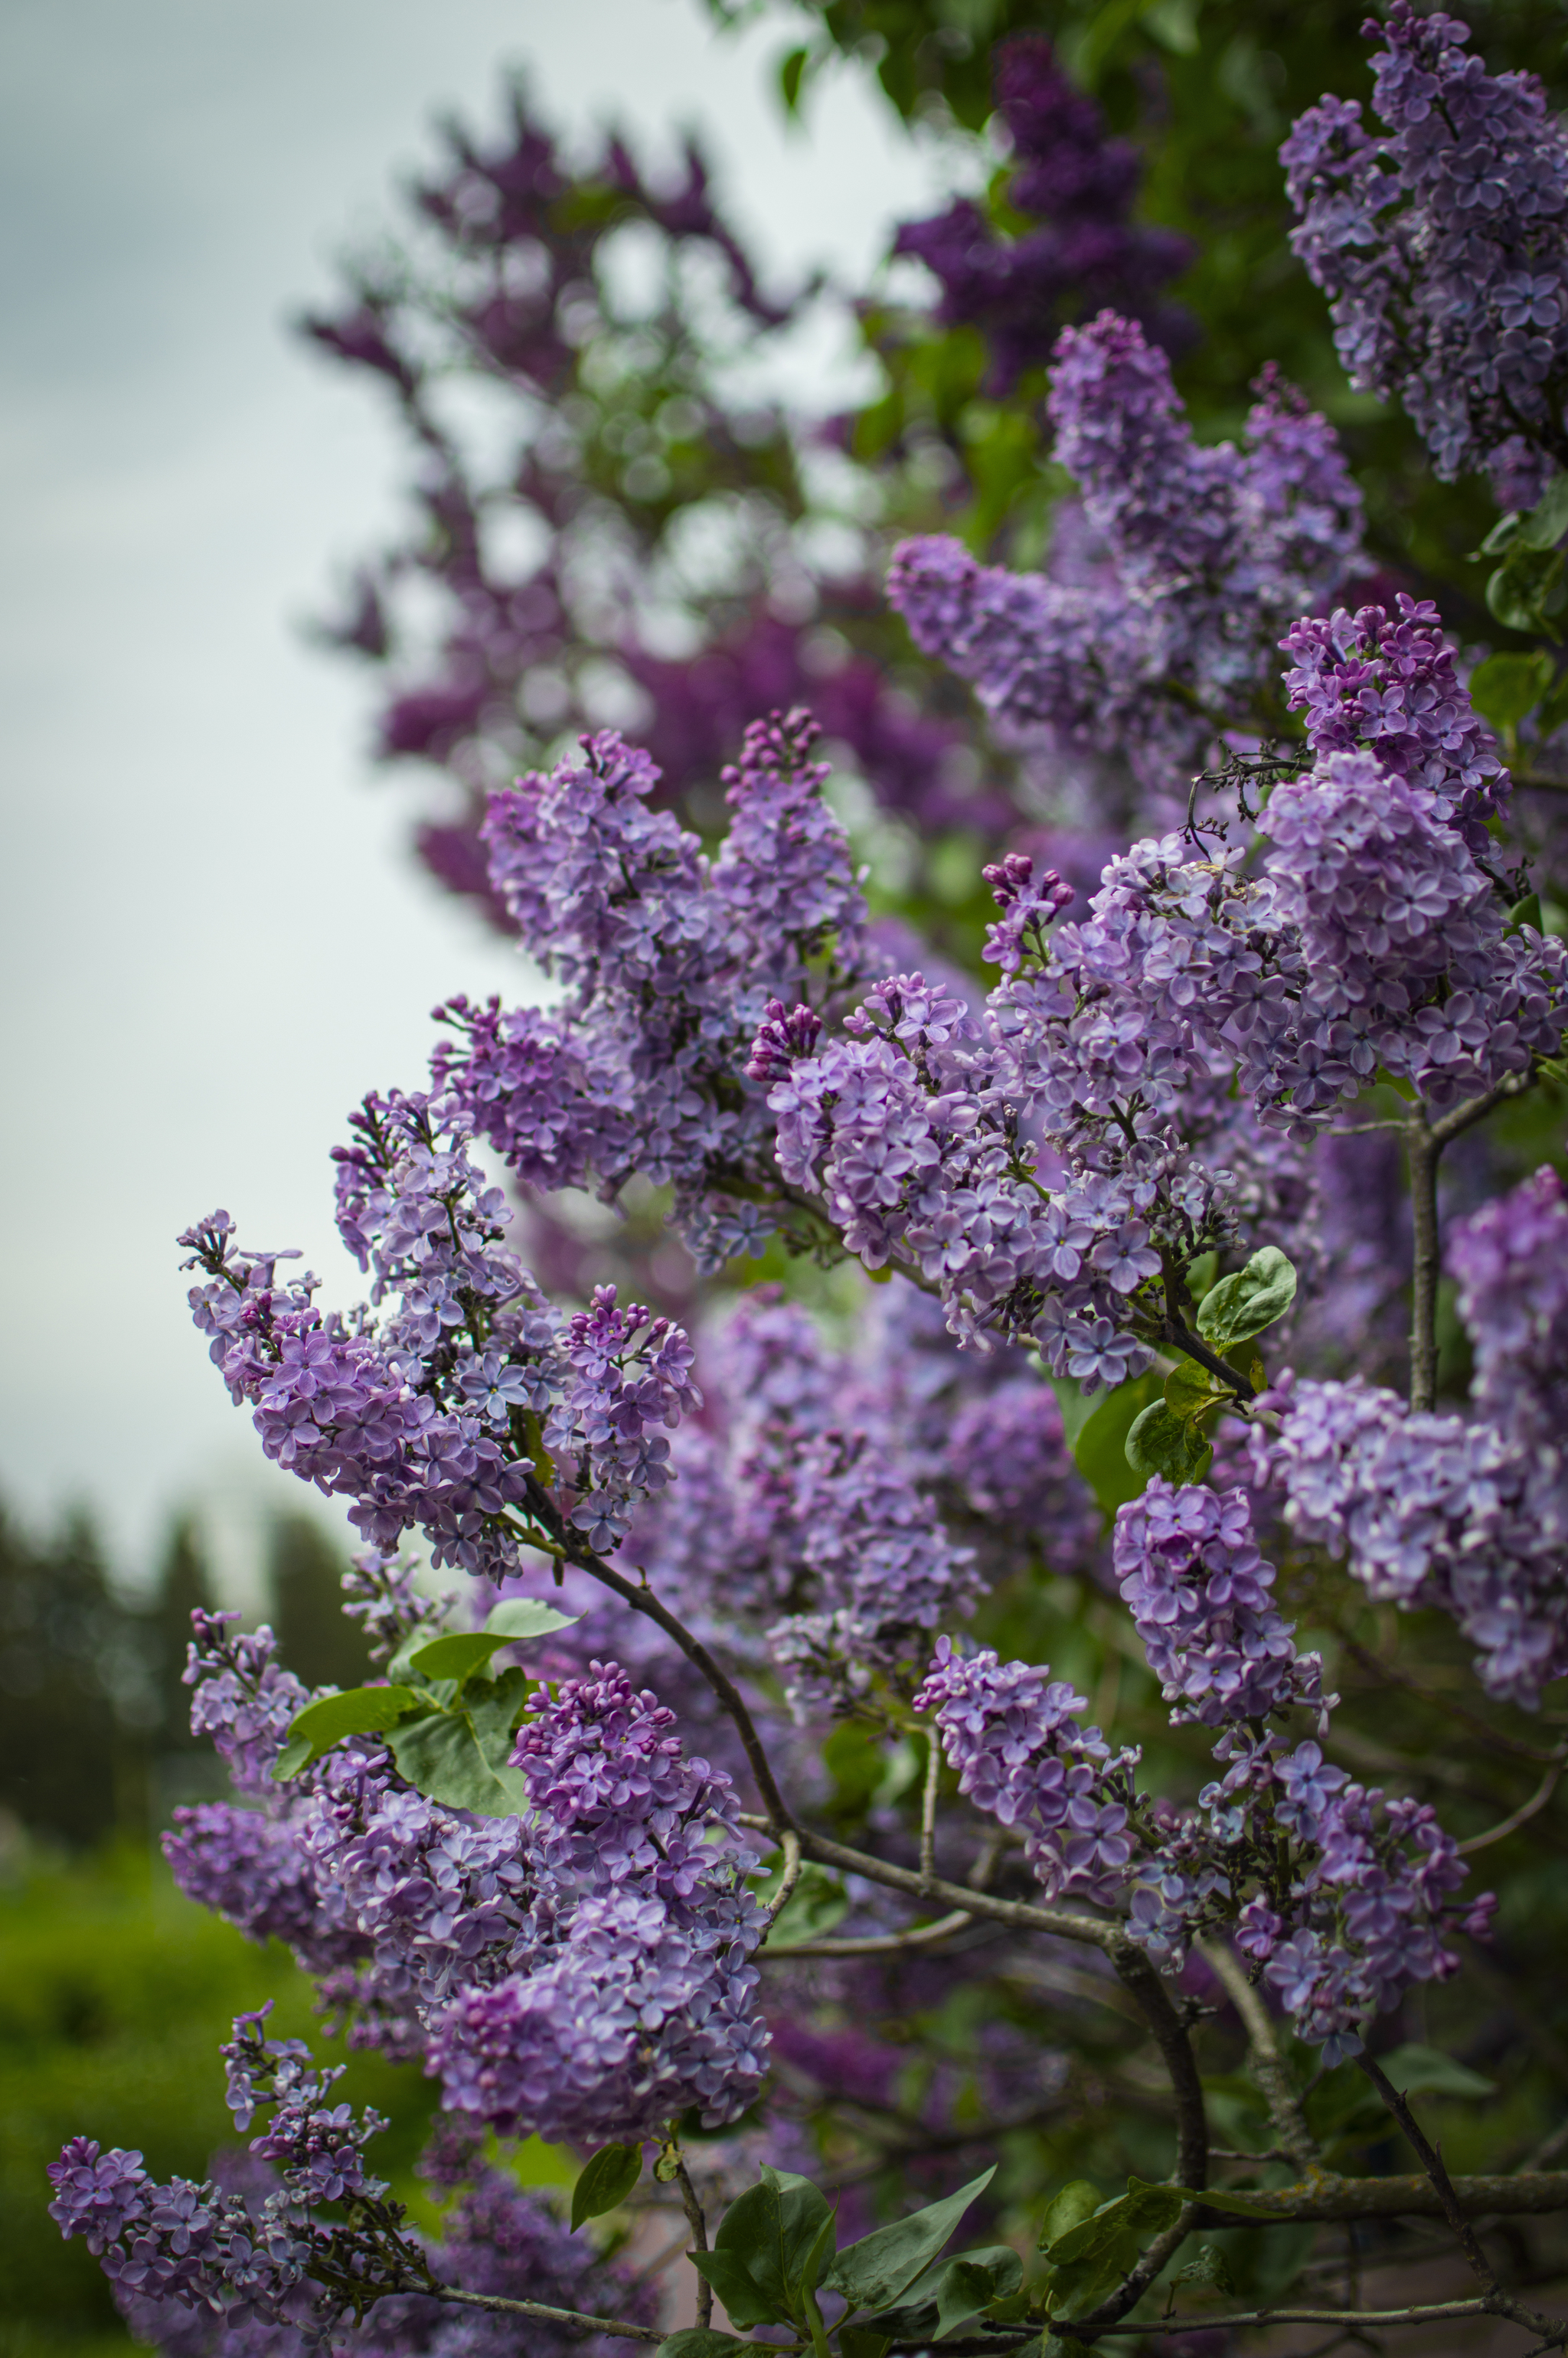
{"x": 1444, "y": 247}
{"x": 1090, "y": 253}
{"x": 1388, "y": 685}
{"x": 1211, "y": 551}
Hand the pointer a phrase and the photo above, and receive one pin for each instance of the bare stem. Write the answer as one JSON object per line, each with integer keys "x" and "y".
{"x": 1431, "y": 2161}
{"x": 1421, "y": 1151}
{"x": 928, "y": 1810}
{"x": 878, "y": 1944}
{"x": 541, "y": 2309}
{"x": 697, "y": 2222}
{"x": 642, "y": 1599}
{"x": 793, "y": 1862}
{"x": 958, "y": 1896}
{"x": 1519, "y": 1817}
{"x": 1268, "y": 2067}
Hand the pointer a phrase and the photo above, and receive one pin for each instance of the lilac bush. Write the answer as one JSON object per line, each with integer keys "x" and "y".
{"x": 1054, "y": 1378}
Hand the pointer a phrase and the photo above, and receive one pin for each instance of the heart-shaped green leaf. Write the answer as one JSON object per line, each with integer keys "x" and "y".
{"x": 440, "y": 1757}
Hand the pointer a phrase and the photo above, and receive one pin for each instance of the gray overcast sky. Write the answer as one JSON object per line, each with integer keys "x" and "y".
{"x": 214, "y": 938}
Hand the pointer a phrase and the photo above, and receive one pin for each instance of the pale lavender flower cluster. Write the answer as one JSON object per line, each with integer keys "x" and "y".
{"x": 1433, "y": 1510}
{"x": 1387, "y": 684}
{"x": 431, "y": 1418}
{"x": 1510, "y": 1261}
{"x": 1212, "y": 550}
{"x": 1012, "y": 1733}
{"x": 1444, "y": 247}
{"x": 670, "y": 960}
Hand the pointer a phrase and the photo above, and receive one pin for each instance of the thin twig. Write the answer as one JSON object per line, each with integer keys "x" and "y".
{"x": 543, "y": 1508}
{"x": 1431, "y": 2161}
{"x": 1421, "y": 1151}
{"x": 541, "y": 2309}
{"x": 1016, "y": 1913}
{"x": 697, "y": 2222}
{"x": 928, "y": 1809}
{"x": 789, "y": 1842}
{"x": 1521, "y": 1817}
{"x": 877, "y": 1944}
{"x": 1263, "y": 2056}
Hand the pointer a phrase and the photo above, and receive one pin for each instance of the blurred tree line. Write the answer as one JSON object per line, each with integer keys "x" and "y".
{"x": 95, "y": 1719}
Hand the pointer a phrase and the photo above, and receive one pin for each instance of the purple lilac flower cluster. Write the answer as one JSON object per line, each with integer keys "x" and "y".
{"x": 1387, "y": 684}
{"x": 1341, "y": 1895}
{"x": 647, "y": 2006}
{"x": 1444, "y": 247}
{"x": 1087, "y": 253}
{"x": 1211, "y": 551}
{"x": 201, "y": 2248}
{"x": 1433, "y": 1510}
{"x": 670, "y": 960}
{"x": 435, "y": 1417}
{"x": 1012, "y": 1733}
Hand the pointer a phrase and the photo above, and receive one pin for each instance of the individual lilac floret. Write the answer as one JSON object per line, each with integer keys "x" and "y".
{"x": 1389, "y": 685}
{"x": 1212, "y": 551}
{"x": 1011, "y": 1732}
{"x": 1027, "y": 904}
{"x": 1444, "y": 247}
{"x": 1190, "y": 1572}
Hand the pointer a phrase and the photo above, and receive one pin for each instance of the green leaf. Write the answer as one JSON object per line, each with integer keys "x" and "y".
{"x": 607, "y": 2178}
{"x": 1100, "y": 1454}
{"x": 763, "y": 2243}
{"x": 813, "y": 1908}
{"x": 441, "y": 1758}
{"x": 1077, "y": 1406}
{"x": 1075, "y": 2203}
{"x": 526, "y": 1617}
{"x": 362, "y": 1711}
{"x": 457, "y": 1656}
{"x": 1242, "y": 1305}
{"x": 1192, "y": 1391}
{"x": 494, "y": 1706}
{"x": 1525, "y": 913}
{"x": 1161, "y": 1442}
{"x": 1547, "y": 522}
{"x": 1526, "y": 590}
{"x": 1207, "y": 2272}
{"x": 1418, "y": 2071}
{"x": 792, "y": 73}
{"x": 874, "y": 2273}
{"x": 699, "y": 2341}
{"x": 1091, "y": 2259}
{"x": 952, "y": 2292}
{"x": 860, "y": 2342}
{"x": 1505, "y": 687}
